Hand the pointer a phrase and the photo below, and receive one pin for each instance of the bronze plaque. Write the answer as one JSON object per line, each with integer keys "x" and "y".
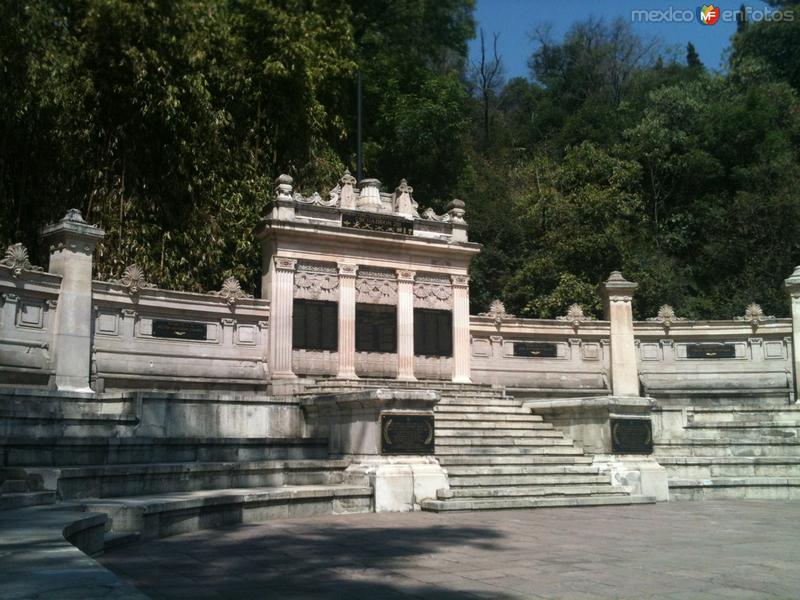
{"x": 631, "y": 436}
{"x": 377, "y": 222}
{"x": 535, "y": 350}
{"x": 180, "y": 330}
{"x": 407, "y": 434}
{"x": 712, "y": 351}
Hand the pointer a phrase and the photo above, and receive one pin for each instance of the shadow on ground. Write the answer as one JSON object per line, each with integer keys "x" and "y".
{"x": 290, "y": 560}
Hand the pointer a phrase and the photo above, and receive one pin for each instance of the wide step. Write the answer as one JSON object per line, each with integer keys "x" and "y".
{"x": 512, "y": 503}
{"x": 509, "y": 480}
{"x": 532, "y": 492}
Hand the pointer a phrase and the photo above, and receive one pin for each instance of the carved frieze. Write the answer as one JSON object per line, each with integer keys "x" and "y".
{"x": 134, "y": 280}
{"x": 316, "y": 282}
{"x": 376, "y": 287}
{"x": 17, "y": 259}
{"x": 431, "y": 291}
{"x": 231, "y": 291}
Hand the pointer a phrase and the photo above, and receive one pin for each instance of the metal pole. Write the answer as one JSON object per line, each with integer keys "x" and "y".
{"x": 360, "y": 157}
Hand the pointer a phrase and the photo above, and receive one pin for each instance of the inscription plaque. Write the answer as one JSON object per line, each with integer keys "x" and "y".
{"x": 710, "y": 351}
{"x": 375, "y": 222}
{"x": 535, "y": 350}
{"x": 631, "y": 436}
{"x": 407, "y": 434}
{"x": 181, "y": 330}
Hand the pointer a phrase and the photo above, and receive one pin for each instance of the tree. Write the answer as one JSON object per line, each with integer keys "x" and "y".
{"x": 487, "y": 75}
{"x": 692, "y": 58}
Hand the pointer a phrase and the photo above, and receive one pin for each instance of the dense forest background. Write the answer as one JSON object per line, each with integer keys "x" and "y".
{"x": 166, "y": 122}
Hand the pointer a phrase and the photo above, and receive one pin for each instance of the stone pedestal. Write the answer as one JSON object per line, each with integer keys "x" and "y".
{"x": 352, "y": 424}
{"x": 72, "y": 242}
{"x": 281, "y": 309}
{"x": 793, "y": 288}
{"x": 618, "y": 294}
{"x": 461, "y": 341}
{"x": 347, "y": 321}
{"x": 405, "y": 326}
{"x": 588, "y": 422}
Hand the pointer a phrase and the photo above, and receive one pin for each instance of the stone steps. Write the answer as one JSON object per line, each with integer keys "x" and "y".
{"x": 531, "y": 491}
{"x": 503, "y": 442}
{"x": 741, "y": 466}
{"x": 490, "y": 433}
{"x": 525, "y": 480}
{"x": 480, "y": 460}
{"x": 745, "y": 434}
{"x": 466, "y": 425}
{"x": 473, "y": 470}
{"x": 480, "y": 410}
{"x": 724, "y": 488}
{"x": 468, "y": 417}
{"x": 519, "y": 503}
{"x": 726, "y": 447}
{"x": 110, "y": 481}
{"x": 24, "y": 499}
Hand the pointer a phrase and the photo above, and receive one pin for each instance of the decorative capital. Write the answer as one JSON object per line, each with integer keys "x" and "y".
{"x": 17, "y": 259}
{"x": 231, "y": 291}
{"x": 347, "y": 179}
{"x": 347, "y": 270}
{"x": 460, "y": 280}
{"x": 618, "y": 288}
{"x": 285, "y": 264}
{"x": 404, "y": 275}
{"x": 133, "y": 280}
{"x": 456, "y": 212}
{"x": 792, "y": 282}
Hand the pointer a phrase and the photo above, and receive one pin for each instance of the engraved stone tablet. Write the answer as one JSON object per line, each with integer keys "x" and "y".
{"x": 407, "y": 434}
{"x": 181, "y": 330}
{"x": 711, "y": 351}
{"x": 631, "y": 436}
{"x": 535, "y": 350}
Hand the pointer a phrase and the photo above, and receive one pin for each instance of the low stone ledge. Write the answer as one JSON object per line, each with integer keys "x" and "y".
{"x": 621, "y": 403}
{"x": 43, "y": 552}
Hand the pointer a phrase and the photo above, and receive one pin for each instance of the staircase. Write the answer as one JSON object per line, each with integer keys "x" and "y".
{"x": 739, "y": 450}
{"x": 498, "y": 455}
{"x": 18, "y": 489}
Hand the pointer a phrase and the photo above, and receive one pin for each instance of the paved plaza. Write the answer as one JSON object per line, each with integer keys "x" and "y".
{"x": 690, "y": 550}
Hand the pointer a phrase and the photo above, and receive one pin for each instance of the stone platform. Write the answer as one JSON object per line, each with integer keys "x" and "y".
{"x": 668, "y": 551}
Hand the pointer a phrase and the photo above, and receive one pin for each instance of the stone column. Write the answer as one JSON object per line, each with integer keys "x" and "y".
{"x": 793, "y": 287}
{"x": 405, "y": 326}
{"x": 281, "y": 311}
{"x": 461, "y": 345}
{"x": 347, "y": 321}
{"x": 618, "y": 294}
{"x": 72, "y": 242}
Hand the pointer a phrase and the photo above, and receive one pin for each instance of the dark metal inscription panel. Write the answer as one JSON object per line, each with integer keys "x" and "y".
{"x": 180, "y": 330}
{"x": 377, "y": 222}
{"x": 710, "y": 351}
{"x": 407, "y": 434}
{"x": 535, "y": 350}
{"x": 631, "y": 436}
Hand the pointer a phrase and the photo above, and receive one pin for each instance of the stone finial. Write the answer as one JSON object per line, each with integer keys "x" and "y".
{"x": 754, "y": 315}
{"x": 17, "y": 259}
{"x": 134, "y": 280}
{"x": 575, "y": 316}
{"x": 666, "y": 316}
{"x": 403, "y": 200}
{"x": 283, "y": 187}
{"x": 792, "y": 283}
{"x": 347, "y": 194}
{"x": 497, "y": 312}
{"x": 231, "y": 291}
{"x": 456, "y": 212}
{"x": 369, "y": 197}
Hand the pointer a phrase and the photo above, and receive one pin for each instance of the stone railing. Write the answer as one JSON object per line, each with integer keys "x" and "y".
{"x": 28, "y": 301}
{"x": 564, "y": 357}
{"x": 162, "y": 339}
{"x": 751, "y": 355}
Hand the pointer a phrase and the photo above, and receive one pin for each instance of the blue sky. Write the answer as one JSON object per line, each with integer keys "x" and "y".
{"x": 514, "y": 20}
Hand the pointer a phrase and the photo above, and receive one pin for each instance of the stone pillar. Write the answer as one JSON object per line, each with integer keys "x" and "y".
{"x": 793, "y": 287}
{"x": 618, "y": 294}
{"x": 281, "y": 311}
{"x": 405, "y": 326}
{"x": 461, "y": 345}
{"x": 72, "y": 242}
{"x": 347, "y": 321}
